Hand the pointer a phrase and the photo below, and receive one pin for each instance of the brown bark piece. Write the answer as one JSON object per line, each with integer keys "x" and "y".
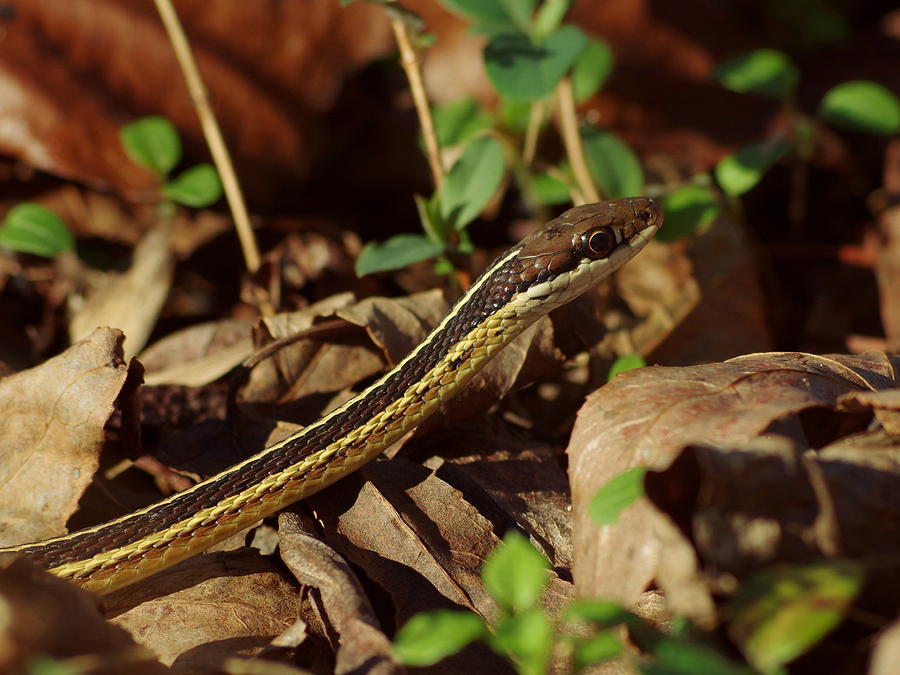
{"x": 51, "y": 433}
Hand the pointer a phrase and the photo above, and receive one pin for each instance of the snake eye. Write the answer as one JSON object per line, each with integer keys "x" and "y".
{"x": 600, "y": 242}
{"x": 647, "y": 215}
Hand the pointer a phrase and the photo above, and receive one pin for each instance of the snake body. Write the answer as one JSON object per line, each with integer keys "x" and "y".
{"x": 545, "y": 270}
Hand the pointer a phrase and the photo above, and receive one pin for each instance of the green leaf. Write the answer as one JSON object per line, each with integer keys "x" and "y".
{"x": 521, "y": 70}
{"x": 459, "y": 121}
{"x": 679, "y": 657}
{"x": 603, "y": 613}
{"x": 550, "y": 190}
{"x": 740, "y": 172}
{"x": 429, "y": 637}
{"x": 431, "y": 221}
{"x": 765, "y": 71}
{"x": 199, "y": 186}
{"x": 612, "y": 164}
{"x": 515, "y": 115}
{"x": 617, "y": 495}
{"x": 398, "y": 251}
{"x": 493, "y": 16}
{"x": 780, "y": 613}
{"x": 548, "y": 18}
{"x": 862, "y": 106}
{"x": 591, "y": 70}
{"x": 32, "y": 228}
{"x": 515, "y": 574}
{"x": 687, "y": 210}
{"x": 48, "y": 665}
{"x": 472, "y": 181}
{"x": 623, "y": 363}
{"x": 152, "y": 142}
{"x": 528, "y": 638}
{"x": 604, "y": 645}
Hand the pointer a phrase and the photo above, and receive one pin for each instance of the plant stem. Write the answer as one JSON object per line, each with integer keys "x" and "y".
{"x": 410, "y": 63}
{"x": 217, "y": 148}
{"x": 532, "y": 132}
{"x": 568, "y": 122}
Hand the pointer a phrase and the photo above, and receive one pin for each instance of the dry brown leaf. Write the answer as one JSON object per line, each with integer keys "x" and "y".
{"x": 51, "y": 437}
{"x": 208, "y": 608}
{"x": 198, "y": 355}
{"x": 47, "y": 616}
{"x": 361, "y": 643}
{"x": 884, "y": 404}
{"x": 887, "y": 269}
{"x": 645, "y": 417}
{"x": 287, "y": 68}
{"x": 886, "y": 652}
{"x": 131, "y": 302}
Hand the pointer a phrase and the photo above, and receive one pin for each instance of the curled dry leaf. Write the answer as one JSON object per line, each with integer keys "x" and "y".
{"x": 50, "y": 439}
{"x": 48, "y": 617}
{"x": 646, "y": 417}
{"x": 131, "y": 302}
{"x": 195, "y": 615}
{"x": 361, "y": 643}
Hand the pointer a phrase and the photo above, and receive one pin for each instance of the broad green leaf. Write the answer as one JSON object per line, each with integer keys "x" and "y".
{"x": 764, "y": 71}
{"x": 550, "y": 190}
{"x": 612, "y": 164}
{"x": 624, "y": 363}
{"x": 679, "y": 657}
{"x": 515, "y": 574}
{"x": 779, "y": 614}
{"x": 528, "y": 638}
{"x": 688, "y": 210}
{"x": 493, "y": 16}
{"x": 459, "y": 121}
{"x": 398, "y": 251}
{"x": 604, "y": 645}
{"x": 521, "y": 70}
{"x": 549, "y": 16}
{"x": 617, "y": 495}
{"x": 603, "y": 613}
{"x": 591, "y": 70}
{"x": 32, "y": 228}
{"x": 152, "y": 142}
{"x": 862, "y": 106}
{"x": 741, "y": 171}
{"x": 472, "y": 181}
{"x": 429, "y": 637}
{"x": 199, "y": 186}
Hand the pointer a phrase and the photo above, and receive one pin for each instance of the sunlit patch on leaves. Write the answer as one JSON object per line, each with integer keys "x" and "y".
{"x": 625, "y": 363}
{"x": 521, "y": 70}
{"x": 741, "y": 171}
{"x": 612, "y": 164}
{"x": 431, "y": 636}
{"x": 862, "y": 106}
{"x": 780, "y": 613}
{"x": 152, "y": 142}
{"x": 398, "y": 251}
{"x": 197, "y": 187}
{"x": 617, "y": 495}
{"x": 765, "y": 71}
{"x": 515, "y": 574}
{"x": 688, "y": 210}
{"x": 32, "y": 228}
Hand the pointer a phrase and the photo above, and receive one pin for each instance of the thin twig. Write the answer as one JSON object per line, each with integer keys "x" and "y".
{"x": 410, "y": 63}
{"x": 568, "y": 122}
{"x": 217, "y": 148}
{"x": 535, "y": 119}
